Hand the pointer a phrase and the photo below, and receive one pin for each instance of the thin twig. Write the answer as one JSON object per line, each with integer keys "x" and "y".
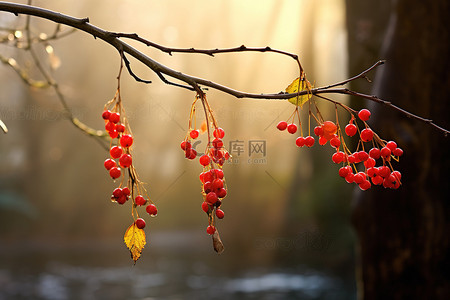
{"x": 209, "y": 52}
{"x": 361, "y": 75}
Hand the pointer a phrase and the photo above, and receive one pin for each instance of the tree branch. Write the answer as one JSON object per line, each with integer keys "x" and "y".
{"x": 193, "y": 83}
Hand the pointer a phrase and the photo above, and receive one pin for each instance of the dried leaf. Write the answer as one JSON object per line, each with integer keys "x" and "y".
{"x": 134, "y": 238}
{"x": 217, "y": 242}
{"x": 294, "y": 88}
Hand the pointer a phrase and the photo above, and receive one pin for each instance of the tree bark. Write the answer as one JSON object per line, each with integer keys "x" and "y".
{"x": 403, "y": 235}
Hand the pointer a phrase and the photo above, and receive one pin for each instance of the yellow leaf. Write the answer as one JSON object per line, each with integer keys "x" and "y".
{"x": 294, "y": 88}
{"x": 134, "y": 238}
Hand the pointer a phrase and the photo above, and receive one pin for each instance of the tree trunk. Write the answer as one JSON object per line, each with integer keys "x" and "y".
{"x": 403, "y": 235}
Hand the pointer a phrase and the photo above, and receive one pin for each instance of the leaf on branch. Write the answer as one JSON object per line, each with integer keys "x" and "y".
{"x": 294, "y": 88}
{"x": 217, "y": 242}
{"x": 134, "y": 238}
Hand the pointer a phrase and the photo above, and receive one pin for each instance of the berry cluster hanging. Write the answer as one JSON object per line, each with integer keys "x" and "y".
{"x": 121, "y": 169}
{"x": 359, "y": 166}
{"x": 212, "y": 178}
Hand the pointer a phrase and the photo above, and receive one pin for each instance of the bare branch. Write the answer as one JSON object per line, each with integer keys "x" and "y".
{"x": 193, "y": 83}
{"x": 209, "y": 52}
{"x": 363, "y": 74}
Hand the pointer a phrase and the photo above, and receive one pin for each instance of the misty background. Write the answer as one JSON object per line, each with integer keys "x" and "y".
{"x": 286, "y": 229}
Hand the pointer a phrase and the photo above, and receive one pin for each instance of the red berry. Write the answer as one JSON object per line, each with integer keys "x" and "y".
{"x": 362, "y": 155}
{"x": 350, "y": 178}
{"x": 217, "y": 184}
{"x": 204, "y": 160}
{"x": 122, "y": 199}
{"x": 185, "y": 145}
{"x": 191, "y": 153}
{"x": 113, "y": 134}
{"x": 209, "y": 176}
{"x": 329, "y": 129}
{"x": 309, "y": 141}
{"x": 194, "y": 134}
{"x": 207, "y": 187}
{"x": 391, "y": 145}
{"x": 365, "y": 185}
{"x": 210, "y": 229}
{"x": 221, "y": 193}
{"x": 106, "y": 114}
{"x": 372, "y": 171}
{"x": 115, "y": 152}
{"x": 335, "y": 142}
{"x": 369, "y": 163}
{"x": 377, "y": 180}
{"x": 109, "y": 163}
{"x": 366, "y": 135}
{"x": 219, "y": 133}
{"x": 352, "y": 158}
{"x": 217, "y": 143}
{"x": 211, "y": 197}
{"x": 393, "y": 178}
{"x": 292, "y": 128}
{"x": 219, "y": 173}
{"x": 300, "y": 141}
{"x": 344, "y": 171}
{"x": 322, "y": 140}
{"x": 219, "y": 213}
{"x": 282, "y": 125}
{"x": 125, "y": 160}
{"x": 397, "y": 175}
{"x": 114, "y": 117}
{"x": 350, "y": 129}
{"x": 359, "y": 177}
{"x": 126, "y": 140}
{"x": 110, "y": 126}
{"x": 397, "y": 152}
{"x": 384, "y": 171}
{"x": 364, "y": 114}
{"x": 115, "y": 172}
{"x": 205, "y": 207}
{"x": 318, "y": 130}
{"x": 151, "y": 209}
{"x": 139, "y": 200}
{"x": 140, "y": 223}
{"x": 117, "y": 192}
{"x": 120, "y": 128}
{"x": 385, "y": 152}
{"x": 338, "y": 157}
{"x": 375, "y": 153}
{"x": 126, "y": 191}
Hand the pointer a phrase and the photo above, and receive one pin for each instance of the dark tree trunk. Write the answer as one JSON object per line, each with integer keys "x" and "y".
{"x": 403, "y": 235}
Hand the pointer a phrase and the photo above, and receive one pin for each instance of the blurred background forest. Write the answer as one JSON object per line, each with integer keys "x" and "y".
{"x": 287, "y": 230}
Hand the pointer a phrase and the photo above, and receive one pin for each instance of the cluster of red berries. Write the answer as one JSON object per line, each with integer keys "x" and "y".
{"x": 328, "y": 131}
{"x": 212, "y": 177}
{"x": 215, "y": 150}
{"x": 121, "y": 151}
{"x": 213, "y": 190}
